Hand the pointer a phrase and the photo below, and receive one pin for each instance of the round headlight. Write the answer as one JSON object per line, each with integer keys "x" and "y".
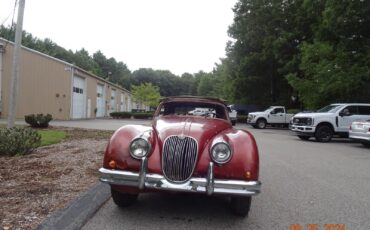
{"x": 221, "y": 153}
{"x": 139, "y": 148}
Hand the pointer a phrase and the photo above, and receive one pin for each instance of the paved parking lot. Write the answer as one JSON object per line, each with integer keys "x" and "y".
{"x": 304, "y": 183}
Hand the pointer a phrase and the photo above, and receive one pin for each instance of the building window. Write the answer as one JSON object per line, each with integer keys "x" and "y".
{"x": 78, "y": 90}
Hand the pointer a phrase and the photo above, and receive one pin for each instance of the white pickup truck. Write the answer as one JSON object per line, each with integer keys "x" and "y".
{"x": 274, "y": 115}
{"x": 330, "y": 120}
{"x": 233, "y": 114}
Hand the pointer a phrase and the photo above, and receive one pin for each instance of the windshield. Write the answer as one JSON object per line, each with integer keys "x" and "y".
{"x": 328, "y": 109}
{"x": 193, "y": 109}
{"x": 268, "y": 109}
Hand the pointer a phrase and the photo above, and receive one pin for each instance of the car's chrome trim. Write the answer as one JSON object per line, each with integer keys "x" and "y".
{"x": 208, "y": 185}
{"x": 210, "y": 179}
{"x": 166, "y": 162}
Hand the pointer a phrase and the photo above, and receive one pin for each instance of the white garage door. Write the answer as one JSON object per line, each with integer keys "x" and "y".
{"x": 78, "y": 98}
{"x": 122, "y": 103}
{"x": 113, "y": 101}
{"x": 100, "y": 101}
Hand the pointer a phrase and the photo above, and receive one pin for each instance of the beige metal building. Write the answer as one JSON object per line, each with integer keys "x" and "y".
{"x": 49, "y": 85}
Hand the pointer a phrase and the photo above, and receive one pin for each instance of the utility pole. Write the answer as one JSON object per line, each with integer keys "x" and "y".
{"x": 15, "y": 69}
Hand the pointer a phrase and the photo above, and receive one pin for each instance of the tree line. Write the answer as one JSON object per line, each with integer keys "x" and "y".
{"x": 298, "y": 53}
{"x": 115, "y": 71}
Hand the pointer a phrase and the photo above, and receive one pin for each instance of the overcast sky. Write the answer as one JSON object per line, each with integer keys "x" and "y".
{"x": 176, "y": 35}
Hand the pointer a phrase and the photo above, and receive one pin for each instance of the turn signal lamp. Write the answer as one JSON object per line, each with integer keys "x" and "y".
{"x": 112, "y": 164}
{"x": 248, "y": 174}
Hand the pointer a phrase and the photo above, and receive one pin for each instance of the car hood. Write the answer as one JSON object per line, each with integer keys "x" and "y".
{"x": 313, "y": 115}
{"x": 202, "y": 129}
{"x": 256, "y": 113}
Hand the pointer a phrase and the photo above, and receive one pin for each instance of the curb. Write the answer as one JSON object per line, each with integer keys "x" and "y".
{"x": 79, "y": 211}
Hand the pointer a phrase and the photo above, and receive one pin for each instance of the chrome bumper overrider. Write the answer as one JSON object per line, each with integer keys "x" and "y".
{"x": 208, "y": 185}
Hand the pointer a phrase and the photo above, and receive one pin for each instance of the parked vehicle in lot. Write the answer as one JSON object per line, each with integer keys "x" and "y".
{"x": 233, "y": 114}
{"x": 183, "y": 153}
{"x": 201, "y": 112}
{"x": 360, "y": 132}
{"x": 334, "y": 119}
{"x": 274, "y": 115}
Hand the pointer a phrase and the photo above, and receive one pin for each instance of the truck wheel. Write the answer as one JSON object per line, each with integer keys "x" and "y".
{"x": 323, "y": 133}
{"x": 261, "y": 123}
{"x": 303, "y": 137}
{"x": 123, "y": 199}
{"x": 241, "y": 205}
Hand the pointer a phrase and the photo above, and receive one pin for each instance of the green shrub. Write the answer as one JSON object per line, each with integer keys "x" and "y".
{"x": 242, "y": 118}
{"x": 39, "y": 120}
{"x": 121, "y": 114}
{"x": 18, "y": 140}
{"x": 148, "y": 115}
{"x": 293, "y": 111}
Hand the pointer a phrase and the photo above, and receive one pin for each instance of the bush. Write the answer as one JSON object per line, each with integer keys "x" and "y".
{"x": 121, "y": 115}
{"x": 18, "y": 141}
{"x": 242, "y": 118}
{"x": 39, "y": 120}
{"x": 293, "y": 111}
{"x": 143, "y": 115}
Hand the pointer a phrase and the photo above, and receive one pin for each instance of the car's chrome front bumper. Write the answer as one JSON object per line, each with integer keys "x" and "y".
{"x": 208, "y": 185}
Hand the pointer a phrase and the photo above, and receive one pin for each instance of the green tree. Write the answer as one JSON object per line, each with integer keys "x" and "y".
{"x": 147, "y": 94}
{"x": 335, "y": 66}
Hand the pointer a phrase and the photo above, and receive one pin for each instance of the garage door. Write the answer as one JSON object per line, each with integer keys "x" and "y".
{"x": 78, "y": 98}
{"x": 113, "y": 101}
{"x": 100, "y": 101}
{"x": 122, "y": 103}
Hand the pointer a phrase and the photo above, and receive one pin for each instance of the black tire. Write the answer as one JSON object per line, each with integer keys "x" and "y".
{"x": 261, "y": 123}
{"x": 240, "y": 205}
{"x": 324, "y": 133}
{"x": 123, "y": 199}
{"x": 305, "y": 138}
{"x": 366, "y": 144}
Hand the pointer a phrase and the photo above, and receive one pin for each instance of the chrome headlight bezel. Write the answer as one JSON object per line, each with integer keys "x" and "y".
{"x": 139, "y": 143}
{"x": 221, "y": 152}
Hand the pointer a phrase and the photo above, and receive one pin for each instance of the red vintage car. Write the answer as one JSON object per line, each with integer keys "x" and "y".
{"x": 183, "y": 152}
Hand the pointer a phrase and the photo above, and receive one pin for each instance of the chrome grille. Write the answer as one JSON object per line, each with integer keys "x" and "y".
{"x": 179, "y": 158}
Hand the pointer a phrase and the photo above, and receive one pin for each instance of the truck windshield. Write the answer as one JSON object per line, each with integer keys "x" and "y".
{"x": 328, "y": 109}
{"x": 269, "y": 108}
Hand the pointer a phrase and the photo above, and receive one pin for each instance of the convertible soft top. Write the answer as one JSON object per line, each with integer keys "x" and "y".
{"x": 193, "y": 98}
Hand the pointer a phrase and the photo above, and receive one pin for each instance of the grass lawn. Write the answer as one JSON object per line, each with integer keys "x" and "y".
{"x": 49, "y": 137}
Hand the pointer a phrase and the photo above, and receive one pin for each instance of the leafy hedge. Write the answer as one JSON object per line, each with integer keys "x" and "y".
{"x": 122, "y": 115}
{"x": 39, "y": 120}
{"x": 242, "y": 118}
{"x": 18, "y": 140}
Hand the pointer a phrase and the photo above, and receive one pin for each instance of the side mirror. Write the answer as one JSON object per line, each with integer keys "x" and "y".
{"x": 344, "y": 113}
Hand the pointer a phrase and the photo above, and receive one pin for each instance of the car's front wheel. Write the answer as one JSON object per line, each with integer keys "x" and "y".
{"x": 261, "y": 123}
{"x": 366, "y": 144}
{"x": 123, "y": 199}
{"x": 240, "y": 205}
{"x": 323, "y": 133}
